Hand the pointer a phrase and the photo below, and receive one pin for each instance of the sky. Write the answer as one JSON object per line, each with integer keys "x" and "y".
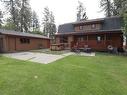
{"x": 65, "y": 10}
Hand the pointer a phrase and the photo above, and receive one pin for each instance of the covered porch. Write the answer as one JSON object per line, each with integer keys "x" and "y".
{"x": 96, "y": 41}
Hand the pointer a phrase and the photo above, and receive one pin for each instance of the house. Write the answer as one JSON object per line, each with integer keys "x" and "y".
{"x": 98, "y": 34}
{"x": 12, "y": 41}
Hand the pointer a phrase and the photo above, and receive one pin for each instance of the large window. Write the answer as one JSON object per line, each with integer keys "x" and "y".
{"x": 24, "y": 40}
{"x": 64, "y": 39}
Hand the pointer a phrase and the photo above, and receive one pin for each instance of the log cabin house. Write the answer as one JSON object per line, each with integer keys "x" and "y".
{"x": 13, "y": 41}
{"x": 98, "y": 34}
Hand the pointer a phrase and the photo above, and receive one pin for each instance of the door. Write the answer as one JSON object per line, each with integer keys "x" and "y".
{"x": 1, "y": 44}
{"x": 12, "y": 44}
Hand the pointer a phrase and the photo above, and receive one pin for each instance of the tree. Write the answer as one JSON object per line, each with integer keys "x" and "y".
{"x": 81, "y": 12}
{"x": 1, "y": 16}
{"x": 9, "y": 25}
{"x": 49, "y": 27}
{"x": 107, "y": 7}
{"x": 35, "y": 23}
{"x": 20, "y": 14}
{"x": 12, "y": 8}
{"x": 120, "y": 6}
{"x": 25, "y": 16}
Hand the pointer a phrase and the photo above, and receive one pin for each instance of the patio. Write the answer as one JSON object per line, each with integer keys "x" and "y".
{"x": 43, "y": 58}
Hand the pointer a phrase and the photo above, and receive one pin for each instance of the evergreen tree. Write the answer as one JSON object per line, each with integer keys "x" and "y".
{"x": 120, "y": 7}
{"x": 35, "y": 23}
{"x": 20, "y": 14}
{"x": 1, "y": 16}
{"x": 107, "y": 7}
{"x": 49, "y": 27}
{"x": 81, "y": 12}
{"x": 25, "y": 16}
{"x": 12, "y": 6}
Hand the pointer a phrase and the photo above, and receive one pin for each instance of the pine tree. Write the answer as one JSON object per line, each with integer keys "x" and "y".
{"x": 81, "y": 12}
{"x": 1, "y": 16}
{"x": 35, "y": 23}
{"x": 107, "y": 7}
{"x": 20, "y": 14}
{"x": 25, "y": 16}
{"x": 49, "y": 27}
{"x": 120, "y": 7}
{"x": 12, "y": 7}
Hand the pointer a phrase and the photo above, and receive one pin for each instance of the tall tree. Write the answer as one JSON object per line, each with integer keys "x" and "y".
{"x": 20, "y": 14}
{"x": 106, "y": 6}
{"x": 49, "y": 27}
{"x": 81, "y": 12}
{"x": 12, "y": 6}
{"x": 1, "y": 16}
{"x": 25, "y": 16}
{"x": 35, "y": 23}
{"x": 120, "y": 7}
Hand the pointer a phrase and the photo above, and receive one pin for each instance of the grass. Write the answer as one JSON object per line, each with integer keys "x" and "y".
{"x": 73, "y": 75}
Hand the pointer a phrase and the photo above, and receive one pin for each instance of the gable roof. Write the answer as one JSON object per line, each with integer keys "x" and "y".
{"x": 109, "y": 23}
{"x": 17, "y": 33}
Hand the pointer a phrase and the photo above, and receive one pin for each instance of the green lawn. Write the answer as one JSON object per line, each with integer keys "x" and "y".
{"x": 73, "y": 75}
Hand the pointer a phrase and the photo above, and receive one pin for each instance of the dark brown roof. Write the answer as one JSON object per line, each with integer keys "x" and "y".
{"x": 17, "y": 33}
{"x": 108, "y": 23}
{"x": 91, "y": 32}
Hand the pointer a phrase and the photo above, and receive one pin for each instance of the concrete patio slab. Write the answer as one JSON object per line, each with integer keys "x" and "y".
{"x": 36, "y": 57}
{"x": 42, "y": 57}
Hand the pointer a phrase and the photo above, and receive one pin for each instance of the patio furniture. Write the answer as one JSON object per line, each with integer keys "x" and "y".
{"x": 57, "y": 47}
{"x": 87, "y": 49}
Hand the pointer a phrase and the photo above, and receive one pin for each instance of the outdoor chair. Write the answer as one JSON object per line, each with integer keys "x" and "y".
{"x": 87, "y": 49}
{"x": 75, "y": 49}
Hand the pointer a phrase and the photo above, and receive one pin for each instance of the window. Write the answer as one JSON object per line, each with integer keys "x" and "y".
{"x": 24, "y": 40}
{"x": 93, "y": 26}
{"x": 63, "y": 39}
{"x": 98, "y": 38}
{"x": 81, "y": 27}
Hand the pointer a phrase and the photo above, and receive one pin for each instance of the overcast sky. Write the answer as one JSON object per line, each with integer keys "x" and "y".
{"x": 65, "y": 10}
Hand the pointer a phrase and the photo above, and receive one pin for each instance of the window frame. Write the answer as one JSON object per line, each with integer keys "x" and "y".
{"x": 93, "y": 26}
{"x": 24, "y": 40}
{"x": 80, "y": 27}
